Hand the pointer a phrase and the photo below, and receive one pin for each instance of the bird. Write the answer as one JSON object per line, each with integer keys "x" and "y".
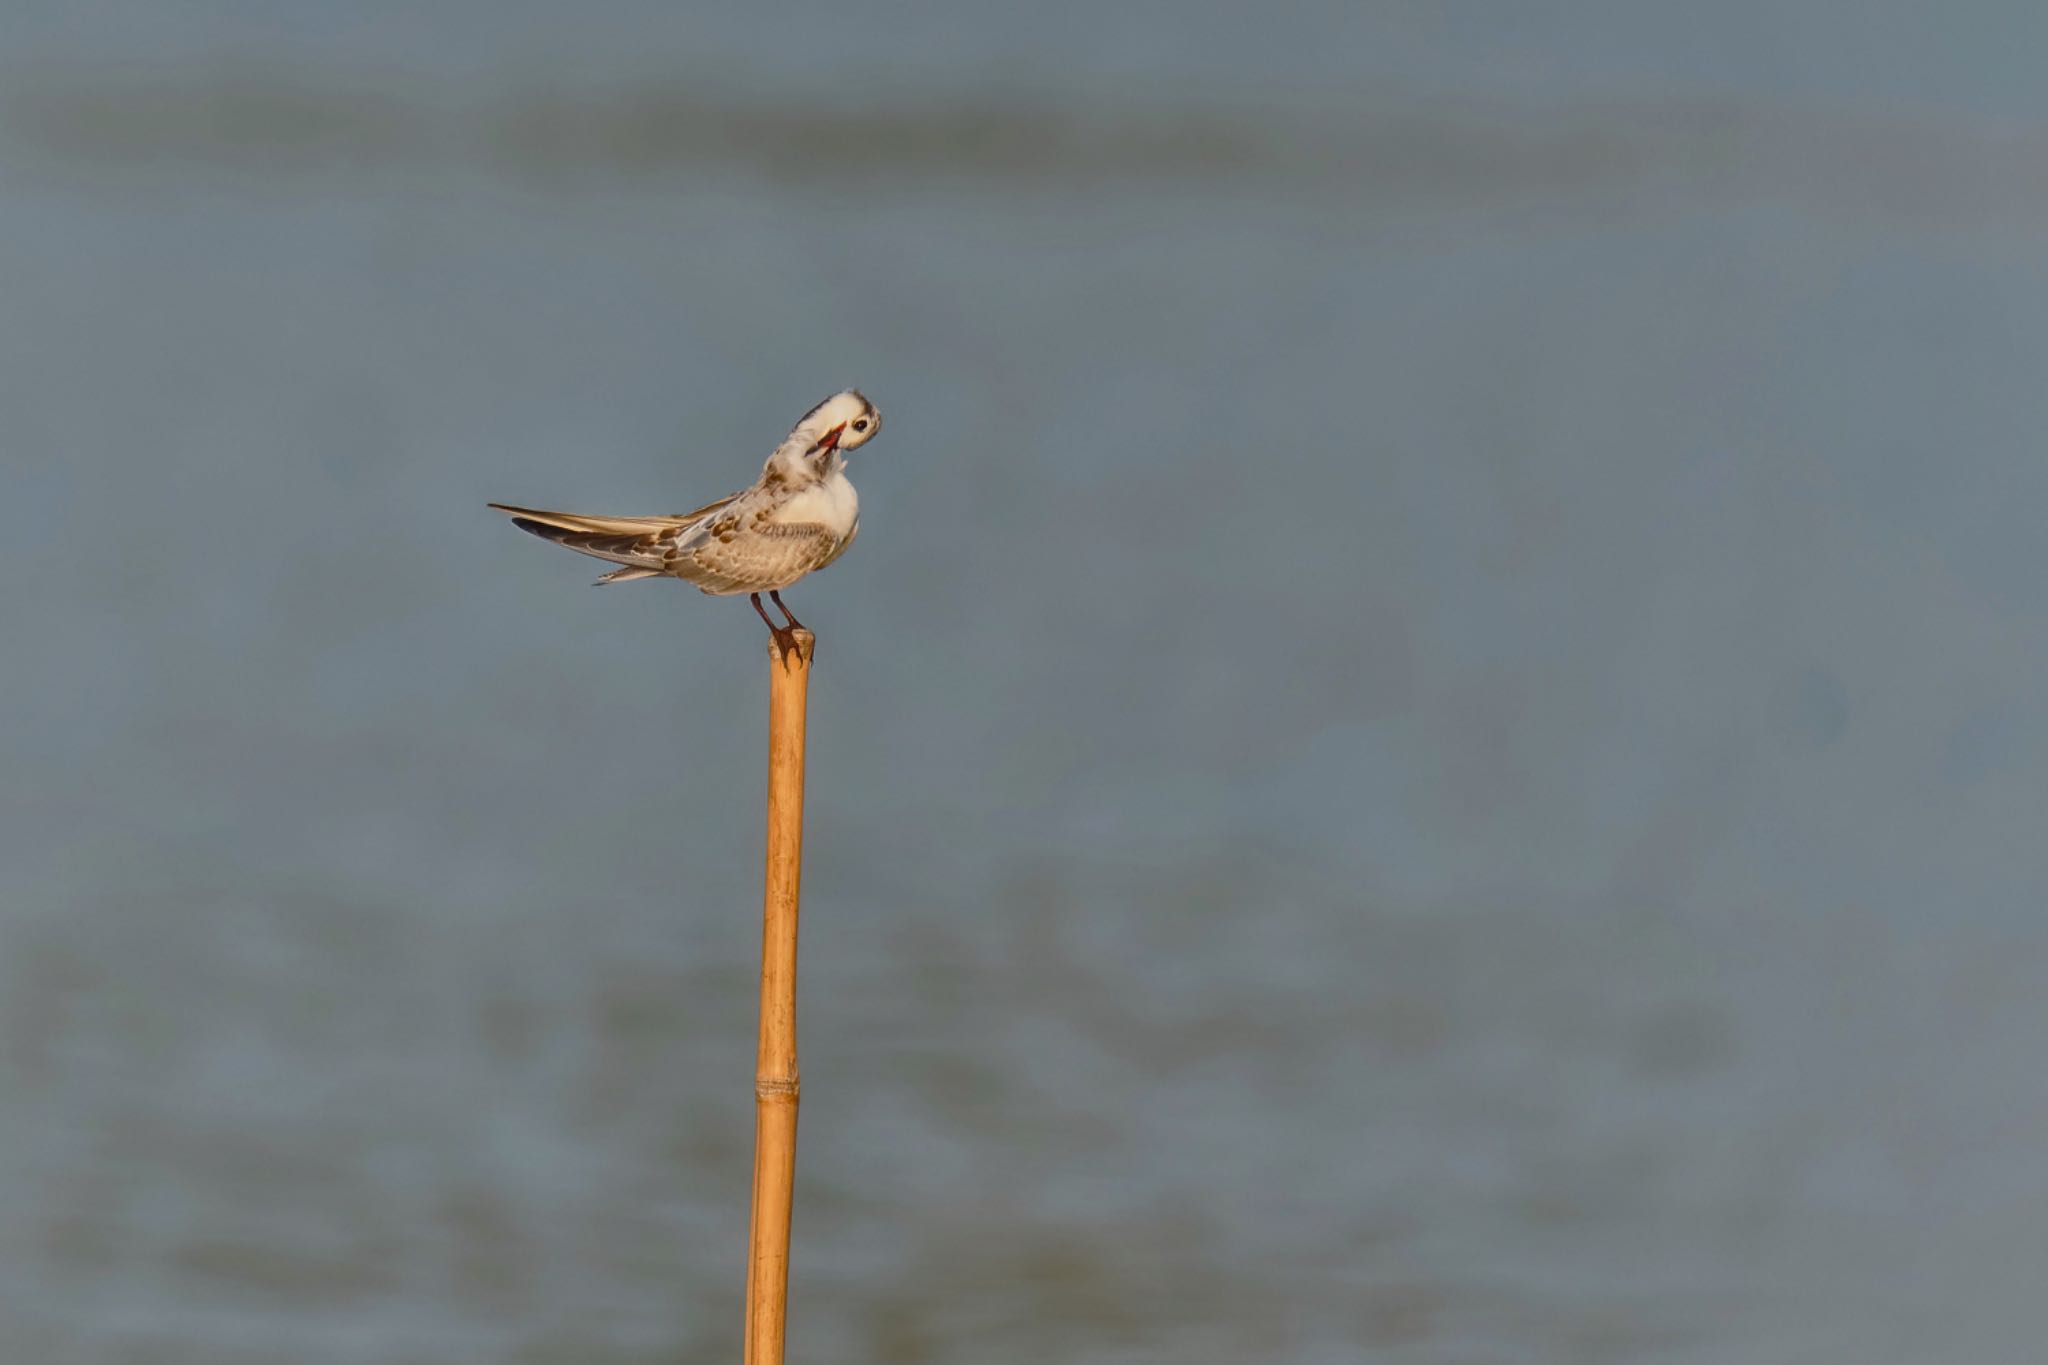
{"x": 799, "y": 516}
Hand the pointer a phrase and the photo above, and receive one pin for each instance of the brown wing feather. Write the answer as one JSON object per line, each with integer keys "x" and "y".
{"x": 685, "y": 518}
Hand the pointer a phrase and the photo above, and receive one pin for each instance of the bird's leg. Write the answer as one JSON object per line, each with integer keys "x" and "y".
{"x": 783, "y": 607}
{"x": 785, "y": 636}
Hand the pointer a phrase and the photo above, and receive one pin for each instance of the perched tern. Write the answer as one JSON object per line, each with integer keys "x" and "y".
{"x": 800, "y": 515}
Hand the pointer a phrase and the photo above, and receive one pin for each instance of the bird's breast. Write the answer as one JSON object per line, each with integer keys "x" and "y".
{"x": 830, "y": 502}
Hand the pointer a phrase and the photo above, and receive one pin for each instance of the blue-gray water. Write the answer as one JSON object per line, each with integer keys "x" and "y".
{"x": 1432, "y": 750}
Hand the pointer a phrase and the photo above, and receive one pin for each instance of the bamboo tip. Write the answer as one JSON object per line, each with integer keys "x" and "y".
{"x": 799, "y": 642}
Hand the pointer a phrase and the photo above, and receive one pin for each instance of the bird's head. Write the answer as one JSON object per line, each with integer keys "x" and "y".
{"x": 840, "y": 423}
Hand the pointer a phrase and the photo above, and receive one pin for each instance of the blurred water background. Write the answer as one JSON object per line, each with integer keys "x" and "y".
{"x": 1432, "y": 752}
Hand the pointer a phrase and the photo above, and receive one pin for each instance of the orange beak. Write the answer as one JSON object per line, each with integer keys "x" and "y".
{"x": 830, "y": 440}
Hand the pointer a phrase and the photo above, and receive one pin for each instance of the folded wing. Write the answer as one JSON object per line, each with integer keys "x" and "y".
{"x": 642, "y": 543}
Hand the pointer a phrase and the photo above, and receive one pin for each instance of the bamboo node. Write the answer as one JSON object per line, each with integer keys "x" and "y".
{"x": 776, "y": 1089}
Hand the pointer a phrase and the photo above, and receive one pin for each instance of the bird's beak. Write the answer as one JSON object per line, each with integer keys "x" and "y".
{"x": 830, "y": 440}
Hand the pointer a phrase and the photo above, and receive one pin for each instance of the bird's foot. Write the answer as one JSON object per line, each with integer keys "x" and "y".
{"x": 790, "y": 639}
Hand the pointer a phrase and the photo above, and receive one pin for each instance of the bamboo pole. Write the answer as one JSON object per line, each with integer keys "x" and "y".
{"x": 775, "y": 1069}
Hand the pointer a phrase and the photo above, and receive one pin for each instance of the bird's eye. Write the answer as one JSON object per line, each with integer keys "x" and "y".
{"x": 861, "y": 425}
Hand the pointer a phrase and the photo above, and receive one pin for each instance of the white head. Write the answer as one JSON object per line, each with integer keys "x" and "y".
{"x": 841, "y": 422}
{"x": 813, "y": 449}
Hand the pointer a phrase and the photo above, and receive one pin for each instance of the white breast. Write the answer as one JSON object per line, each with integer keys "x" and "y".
{"x": 831, "y": 503}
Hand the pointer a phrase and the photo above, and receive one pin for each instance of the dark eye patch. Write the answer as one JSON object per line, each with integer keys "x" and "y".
{"x": 861, "y": 425}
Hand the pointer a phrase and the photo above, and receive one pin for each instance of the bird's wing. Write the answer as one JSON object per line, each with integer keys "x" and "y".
{"x": 643, "y": 542}
{"x": 751, "y": 559}
{"x": 612, "y": 526}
